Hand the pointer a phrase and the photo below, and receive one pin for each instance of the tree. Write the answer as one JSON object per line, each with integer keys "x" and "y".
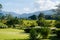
{"x": 57, "y": 24}
{"x": 58, "y": 16}
{"x": 58, "y": 20}
{"x": 2, "y": 17}
{"x": 33, "y": 17}
{"x": 12, "y": 22}
{"x": 16, "y": 21}
{"x": 40, "y": 16}
{"x": 41, "y": 19}
{"x": 45, "y": 31}
{"x": 58, "y": 33}
{"x": 48, "y": 17}
{"x": 33, "y": 34}
{"x": 9, "y": 16}
{"x": 40, "y": 22}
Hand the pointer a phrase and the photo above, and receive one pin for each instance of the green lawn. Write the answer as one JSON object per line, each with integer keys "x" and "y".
{"x": 7, "y": 34}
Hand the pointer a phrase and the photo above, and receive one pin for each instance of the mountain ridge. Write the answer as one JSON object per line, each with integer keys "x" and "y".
{"x": 46, "y": 12}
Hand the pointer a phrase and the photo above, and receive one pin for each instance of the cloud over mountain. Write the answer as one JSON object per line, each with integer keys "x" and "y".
{"x": 27, "y": 6}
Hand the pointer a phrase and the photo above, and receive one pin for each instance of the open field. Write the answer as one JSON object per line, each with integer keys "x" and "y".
{"x": 16, "y": 34}
{"x": 6, "y": 34}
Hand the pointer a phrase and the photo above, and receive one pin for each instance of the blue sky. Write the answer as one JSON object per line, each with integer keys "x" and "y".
{"x": 27, "y": 6}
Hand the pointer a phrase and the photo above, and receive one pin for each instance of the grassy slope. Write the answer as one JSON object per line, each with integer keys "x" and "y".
{"x": 17, "y": 34}
{"x": 12, "y": 34}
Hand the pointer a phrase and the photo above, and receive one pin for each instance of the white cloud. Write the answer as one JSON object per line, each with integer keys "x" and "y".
{"x": 29, "y": 10}
{"x": 36, "y": 5}
{"x": 26, "y": 10}
{"x": 46, "y": 4}
{"x": 17, "y": 11}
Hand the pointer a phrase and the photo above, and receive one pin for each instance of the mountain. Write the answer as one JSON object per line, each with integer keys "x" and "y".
{"x": 4, "y": 13}
{"x": 1, "y": 13}
{"x": 25, "y": 15}
{"x": 47, "y": 12}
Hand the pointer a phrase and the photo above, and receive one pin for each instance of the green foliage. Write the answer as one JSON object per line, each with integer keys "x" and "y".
{"x": 46, "y": 23}
{"x": 57, "y": 14}
{"x": 58, "y": 18}
{"x": 41, "y": 22}
{"x": 58, "y": 33}
{"x": 3, "y": 25}
{"x": 28, "y": 23}
{"x": 21, "y": 21}
{"x": 27, "y": 30}
{"x": 32, "y": 25}
{"x": 57, "y": 24}
{"x": 12, "y": 22}
{"x": 40, "y": 16}
{"x": 3, "y": 17}
{"x": 33, "y": 17}
{"x": 33, "y": 34}
{"x": 45, "y": 31}
{"x": 16, "y": 21}
{"x": 9, "y": 16}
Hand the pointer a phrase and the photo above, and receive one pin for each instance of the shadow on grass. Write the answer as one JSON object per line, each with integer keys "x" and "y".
{"x": 16, "y": 39}
{"x": 54, "y": 38}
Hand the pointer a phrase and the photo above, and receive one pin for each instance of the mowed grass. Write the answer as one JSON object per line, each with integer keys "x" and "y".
{"x": 7, "y": 34}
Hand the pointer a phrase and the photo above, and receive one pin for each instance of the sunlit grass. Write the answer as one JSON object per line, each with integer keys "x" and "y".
{"x": 13, "y": 34}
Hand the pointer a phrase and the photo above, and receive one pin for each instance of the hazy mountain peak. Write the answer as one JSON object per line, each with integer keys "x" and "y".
{"x": 46, "y": 12}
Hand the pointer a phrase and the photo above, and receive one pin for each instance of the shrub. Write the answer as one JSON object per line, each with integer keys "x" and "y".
{"x": 33, "y": 34}
{"x": 38, "y": 30}
{"x": 3, "y": 25}
{"x": 27, "y": 30}
{"x": 57, "y": 24}
{"x": 45, "y": 32}
{"x": 58, "y": 33}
